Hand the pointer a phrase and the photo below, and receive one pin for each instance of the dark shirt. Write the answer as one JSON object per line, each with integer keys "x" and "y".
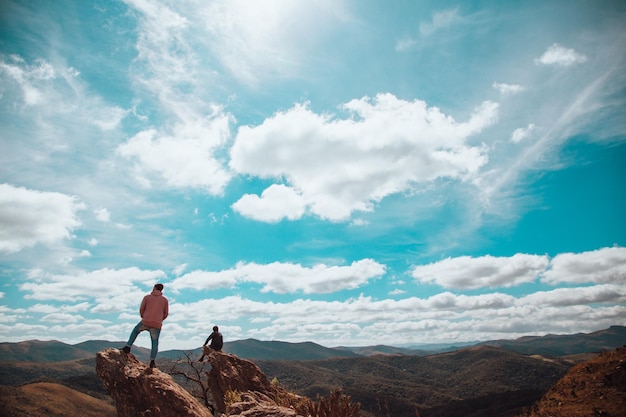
{"x": 216, "y": 340}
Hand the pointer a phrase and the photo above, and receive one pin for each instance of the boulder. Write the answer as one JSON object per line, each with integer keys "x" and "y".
{"x": 231, "y": 374}
{"x": 255, "y": 404}
{"x": 140, "y": 391}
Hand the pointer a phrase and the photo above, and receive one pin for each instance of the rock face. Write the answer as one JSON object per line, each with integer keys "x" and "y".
{"x": 139, "y": 391}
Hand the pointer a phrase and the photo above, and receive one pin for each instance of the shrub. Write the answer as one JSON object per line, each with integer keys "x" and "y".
{"x": 337, "y": 404}
{"x": 231, "y": 397}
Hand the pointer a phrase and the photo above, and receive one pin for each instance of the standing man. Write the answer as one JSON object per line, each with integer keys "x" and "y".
{"x": 217, "y": 341}
{"x": 154, "y": 309}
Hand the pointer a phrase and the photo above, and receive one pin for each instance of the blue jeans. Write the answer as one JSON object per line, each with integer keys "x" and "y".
{"x": 154, "y": 337}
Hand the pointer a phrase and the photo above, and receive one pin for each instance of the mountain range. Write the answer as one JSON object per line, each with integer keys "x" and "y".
{"x": 500, "y": 377}
{"x": 550, "y": 345}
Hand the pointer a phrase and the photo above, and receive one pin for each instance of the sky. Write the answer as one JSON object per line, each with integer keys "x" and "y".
{"x": 344, "y": 172}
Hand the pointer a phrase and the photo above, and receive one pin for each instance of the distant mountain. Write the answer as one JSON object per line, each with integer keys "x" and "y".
{"x": 386, "y": 350}
{"x": 275, "y": 350}
{"x": 561, "y": 345}
{"x": 41, "y": 351}
{"x": 550, "y": 345}
{"x": 95, "y": 346}
{"x": 55, "y": 351}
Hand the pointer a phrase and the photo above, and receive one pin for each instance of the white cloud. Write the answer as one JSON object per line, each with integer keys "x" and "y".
{"x": 486, "y": 271}
{"x": 508, "y": 89}
{"x": 61, "y": 318}
{"x": 44, "y": 87}
{"x": 606, "y": 265}
{"x": 276, "y": 202}
{"x": 179, "y": 269}
{"x": 606, "y": 293}
{"x": 103, "y": 215}
{"x": 560, "y": 56}
{"x": 252, "y": 41}
{"x": 443, "y": 317}
{"x": 257, "y": 41}
{"x": 441, "y": 20}
{"x": 338, "y": 166}
{"x": 29, "y": 77}
{"x": 104, "y": 285}
{"x": 185, "y": 159}
{"x": 284, "y": 278}
{"x": 521, "y": 133}
{"x": 29, "y": 217}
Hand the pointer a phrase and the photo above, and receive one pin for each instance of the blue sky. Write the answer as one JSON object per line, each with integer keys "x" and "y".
{"x": 343, "y": 172}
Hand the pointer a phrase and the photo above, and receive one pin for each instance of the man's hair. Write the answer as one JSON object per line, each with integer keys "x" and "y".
{"x": 215, "y": 328}
{"x": 158, "y": 287}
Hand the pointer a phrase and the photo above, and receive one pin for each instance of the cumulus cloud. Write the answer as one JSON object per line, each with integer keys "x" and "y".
{"x": 606, "y": 265}
{"x": 442, "y": 317}
{"x": 486, "y": 271}
{"x": 558, "y": 55}
{"x": 284, "y": 278}
{"x": 602, "y": 266}
{"x": 29, "y": 217}
{"x": 606, "y": 293}
{"x": 334, "y": 166}
{"x": 185, "y": 159}
{"x": 181, "y": 151}
{"x": 275, "y": 203}
{"x": 62, "y": 318}
{"x": 103, "y": 215}
{"x": 521, "y": 133}
{"x": 117, "y": 286}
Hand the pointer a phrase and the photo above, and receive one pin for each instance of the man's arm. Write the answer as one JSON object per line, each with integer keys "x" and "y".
{"x": 166, "y": 310}
{"x": 142, "y": 308}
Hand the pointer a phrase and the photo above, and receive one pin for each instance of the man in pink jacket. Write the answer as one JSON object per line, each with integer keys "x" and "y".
{"x": 154, "y": 309}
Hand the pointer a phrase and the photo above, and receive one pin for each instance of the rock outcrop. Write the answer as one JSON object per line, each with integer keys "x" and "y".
{"x": 593, "y": 388}
{"x": 239, "y": 389}
{"x": 229, "y": 373}
{"x": 140, "y": 391}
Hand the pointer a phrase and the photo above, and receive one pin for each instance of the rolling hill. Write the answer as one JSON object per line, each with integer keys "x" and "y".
{"x": 404, "y": 383}
{"x": 561, "y": 345}
{"x": 51, "y": 400}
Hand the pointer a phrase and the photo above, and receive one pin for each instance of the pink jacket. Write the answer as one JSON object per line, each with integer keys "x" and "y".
{"x": 154, "y": 309}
